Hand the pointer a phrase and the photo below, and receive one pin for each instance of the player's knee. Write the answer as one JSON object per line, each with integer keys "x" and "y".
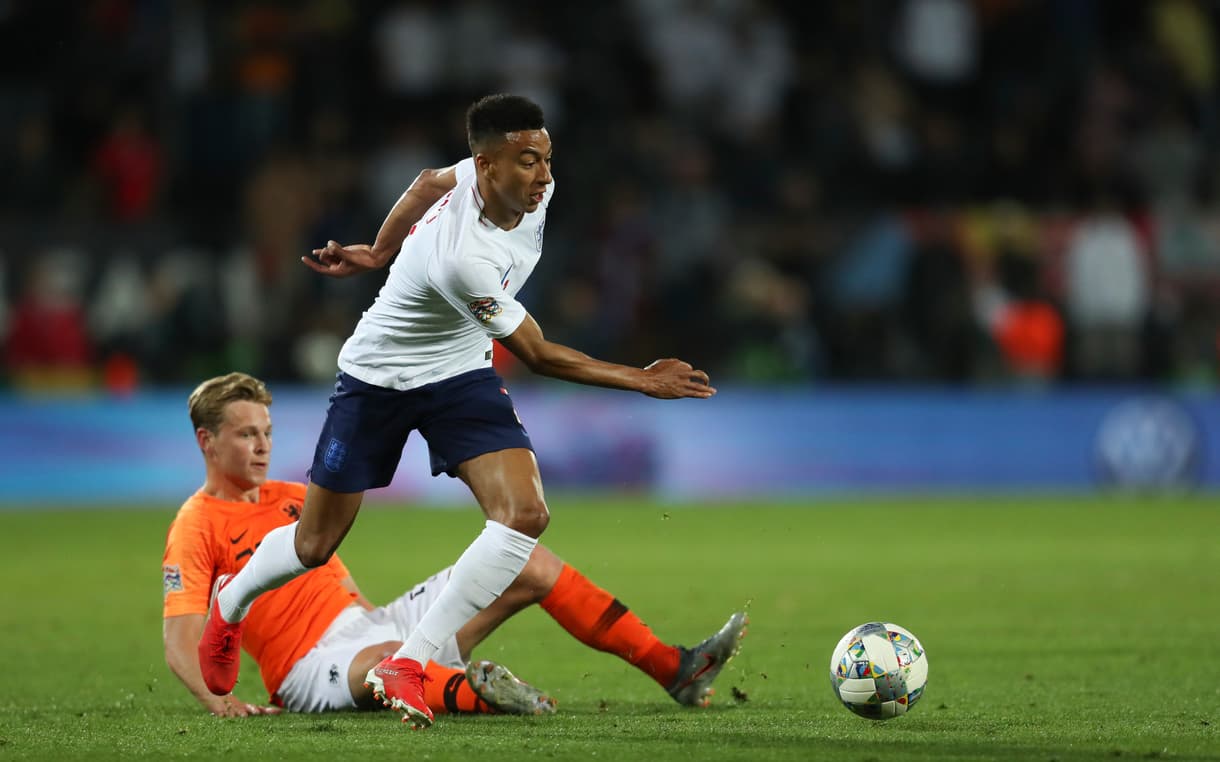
{"x": 314, "y": 551}
{"x": 529, "y": 518}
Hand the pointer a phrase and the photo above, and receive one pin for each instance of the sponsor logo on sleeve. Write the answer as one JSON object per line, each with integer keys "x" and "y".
{"x": 485, "y": 309}
{"x": 171, "y": 578}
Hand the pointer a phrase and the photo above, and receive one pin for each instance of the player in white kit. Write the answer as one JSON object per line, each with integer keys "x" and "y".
{"x": 467, "y": 237}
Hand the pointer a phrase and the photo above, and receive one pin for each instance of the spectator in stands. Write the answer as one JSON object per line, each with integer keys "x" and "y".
{"x": 1108, "y": 294}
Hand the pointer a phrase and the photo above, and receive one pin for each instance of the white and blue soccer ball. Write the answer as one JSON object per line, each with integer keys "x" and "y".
{"x": 879, "y": 670}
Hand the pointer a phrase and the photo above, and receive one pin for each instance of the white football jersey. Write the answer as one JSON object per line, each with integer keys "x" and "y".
{"x": 450, "y": 292}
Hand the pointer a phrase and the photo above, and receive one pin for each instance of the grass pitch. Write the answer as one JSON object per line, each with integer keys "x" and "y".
{"x": 1056, "y": 630}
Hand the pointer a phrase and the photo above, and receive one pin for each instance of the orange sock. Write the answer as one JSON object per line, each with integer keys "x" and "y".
{"x": 597, "y": 619}
{"x": 448, "y": 692}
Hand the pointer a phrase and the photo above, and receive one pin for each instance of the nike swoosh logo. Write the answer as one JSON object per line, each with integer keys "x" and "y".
{"x": 237, "y": 539}
{"x": 711, "y": 662}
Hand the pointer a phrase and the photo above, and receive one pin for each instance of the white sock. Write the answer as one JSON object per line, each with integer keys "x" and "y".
{"x": 485, "y": 569}
{"x": 274, "y": 562}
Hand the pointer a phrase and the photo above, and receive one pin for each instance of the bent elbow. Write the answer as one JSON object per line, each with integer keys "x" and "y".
{"x": 426, "y": 176}
{"x": 434, "y": 182}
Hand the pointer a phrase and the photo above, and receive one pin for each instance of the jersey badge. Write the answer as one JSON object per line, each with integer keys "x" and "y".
{"x": 171, "y": 578}
{"x": 485, "y": 309}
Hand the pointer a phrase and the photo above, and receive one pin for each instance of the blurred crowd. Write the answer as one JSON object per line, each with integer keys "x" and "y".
{"x": 802, "y": 192}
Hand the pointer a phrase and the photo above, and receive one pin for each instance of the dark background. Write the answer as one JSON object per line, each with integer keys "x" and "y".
{"x": 923, "y": 191}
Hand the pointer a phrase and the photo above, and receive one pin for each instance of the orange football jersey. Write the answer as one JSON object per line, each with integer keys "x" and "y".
{"x": 210, "y": 537}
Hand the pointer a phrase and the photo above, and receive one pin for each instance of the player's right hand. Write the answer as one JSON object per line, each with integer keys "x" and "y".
{"x": 671, "y": 379}
{"x": 231, "y": 706}
{"x": 338, "y": 261}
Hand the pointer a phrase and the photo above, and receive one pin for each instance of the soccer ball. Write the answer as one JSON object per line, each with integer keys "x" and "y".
{"x": 879, "y": 670}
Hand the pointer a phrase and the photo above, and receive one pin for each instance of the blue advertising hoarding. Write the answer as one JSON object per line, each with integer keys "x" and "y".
{"x": 741, "y": 443}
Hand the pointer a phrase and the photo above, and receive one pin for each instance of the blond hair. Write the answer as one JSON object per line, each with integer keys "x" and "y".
{"x": 207, "y": 402}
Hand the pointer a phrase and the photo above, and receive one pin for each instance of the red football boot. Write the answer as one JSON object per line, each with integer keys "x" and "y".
{"x": 399, "y": 684}
{"x": 220, "y": 646}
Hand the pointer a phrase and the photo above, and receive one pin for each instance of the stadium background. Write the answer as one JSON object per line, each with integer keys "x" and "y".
{"x": 953, "y": 265}
{"x": 923, "y": 244}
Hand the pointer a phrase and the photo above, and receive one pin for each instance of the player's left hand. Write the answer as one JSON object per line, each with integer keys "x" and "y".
{"x": 231, "y": 706}
{"x": 339, "y": 261}
{"x": 671, "y": 378}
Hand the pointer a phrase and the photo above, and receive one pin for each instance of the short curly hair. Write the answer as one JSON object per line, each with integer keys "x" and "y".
{"x": 207, "y": 402}
{"x": 492, "y": 116}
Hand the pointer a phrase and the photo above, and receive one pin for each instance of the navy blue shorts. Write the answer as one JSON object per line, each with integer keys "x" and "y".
{"x": 367, "y": 426}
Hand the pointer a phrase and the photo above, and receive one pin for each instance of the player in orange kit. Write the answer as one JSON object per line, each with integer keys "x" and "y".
{"x": 316, "y": 637}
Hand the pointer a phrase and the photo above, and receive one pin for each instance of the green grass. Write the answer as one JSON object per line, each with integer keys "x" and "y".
{"x": 1057, "y": 629}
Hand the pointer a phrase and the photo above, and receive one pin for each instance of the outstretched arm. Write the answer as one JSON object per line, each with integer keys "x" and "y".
{"x": 663, "y": 379}
{"x": 181, "y": 635}
{"x": 340, "y": 261}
